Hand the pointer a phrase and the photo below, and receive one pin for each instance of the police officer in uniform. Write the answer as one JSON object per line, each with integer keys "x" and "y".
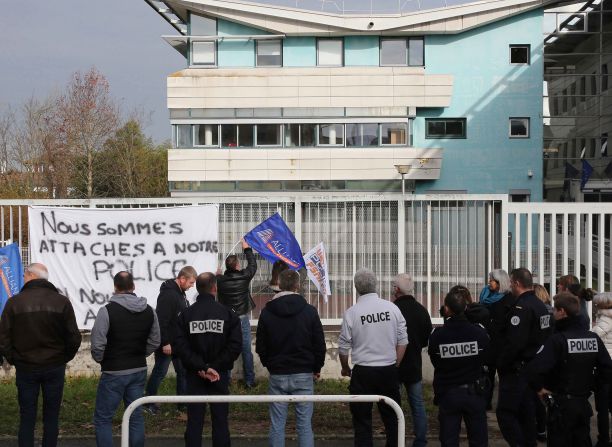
{"x": 457, "y": 352}
{"x": 564, "y": 369}
{"x": 374, "y": 330}
{"x": 526, "y": 328}
{"x": 208, "y": 342}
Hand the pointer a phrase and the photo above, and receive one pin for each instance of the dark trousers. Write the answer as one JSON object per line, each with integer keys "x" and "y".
{"x": 492, "y": 373}
{"x": 516, "y": 410}
{"x": 382, "y": 380}
{"x": 462, "y": 403}
{"x": 540, "y": 412}
{"x": 573, "y": 426}
{"x": 603, "y": 399}
{"x": 29, "y": 384}
{"x": 197, "y": 386}
{"x": 160, "y": 369}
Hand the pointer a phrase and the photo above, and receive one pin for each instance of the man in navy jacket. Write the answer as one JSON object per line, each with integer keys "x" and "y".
{"x": 291, "y": 344}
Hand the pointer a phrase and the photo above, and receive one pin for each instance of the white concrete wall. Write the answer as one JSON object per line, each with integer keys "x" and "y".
{"x": 308, "y": 87}
{"x": 302, "y": 164}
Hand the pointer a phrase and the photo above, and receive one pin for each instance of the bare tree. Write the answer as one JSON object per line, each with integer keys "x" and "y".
{"x": 87, "y": 117}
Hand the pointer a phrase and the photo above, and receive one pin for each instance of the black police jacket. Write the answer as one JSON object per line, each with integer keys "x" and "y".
{"x": 171, "y": 301}
{"x": 527, "y": 326}
{"x": 566, "y": 363}
{"x": 233, "y": 286}
{"x": 418, "y": 325}
{"x": 457, "y": 351}
{"x": 208, "y": 336}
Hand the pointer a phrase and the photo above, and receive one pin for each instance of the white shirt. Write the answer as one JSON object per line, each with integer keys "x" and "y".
{"x": 372, "y": 329}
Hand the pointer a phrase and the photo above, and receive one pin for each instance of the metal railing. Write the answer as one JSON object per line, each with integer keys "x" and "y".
{"x": 125, "y": 422}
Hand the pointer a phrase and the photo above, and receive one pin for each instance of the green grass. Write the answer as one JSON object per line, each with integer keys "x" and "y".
{"x": 246, "y": 419}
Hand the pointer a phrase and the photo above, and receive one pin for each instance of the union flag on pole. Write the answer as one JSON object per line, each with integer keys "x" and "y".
{"x": 274, "y": 241}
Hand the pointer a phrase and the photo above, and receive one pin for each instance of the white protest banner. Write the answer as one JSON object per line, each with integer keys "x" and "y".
{"x": 316, "y": 266}
{"x": 84, "y": 247}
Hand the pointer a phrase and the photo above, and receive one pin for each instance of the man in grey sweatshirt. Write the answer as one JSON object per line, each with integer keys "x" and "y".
{"x": 125, "y": 332}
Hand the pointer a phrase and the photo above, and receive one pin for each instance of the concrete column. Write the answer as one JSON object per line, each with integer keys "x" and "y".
{"x": 208, "y": 135}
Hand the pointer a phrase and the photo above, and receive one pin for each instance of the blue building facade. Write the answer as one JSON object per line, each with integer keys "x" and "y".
{"x": 276, "y": 99}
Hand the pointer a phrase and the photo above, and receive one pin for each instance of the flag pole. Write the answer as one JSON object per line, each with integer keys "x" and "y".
{"x": 230, "y": 252}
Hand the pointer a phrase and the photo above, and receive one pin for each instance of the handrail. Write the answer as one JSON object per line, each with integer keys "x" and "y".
{"x": 401, "y": 424}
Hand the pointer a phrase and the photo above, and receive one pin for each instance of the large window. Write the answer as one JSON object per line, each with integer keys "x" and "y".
{"x": 393, "y": 52}
{"x": 445, "y": 128}
{"x": 331, "y": 134}
{"x": 203, "y": 53}
{"x": 291, "y": 135}
{"x": 269, "y": 135}
{"x": 393, "y": 134}
{"x": 269, "y": 53}
{"x": 402, "y": 52}
{"x": 330, "y": 52}
{"x": 206, "y": 135}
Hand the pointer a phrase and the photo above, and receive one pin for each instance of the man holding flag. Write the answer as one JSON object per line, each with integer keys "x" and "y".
{"x": 234, "y": 293}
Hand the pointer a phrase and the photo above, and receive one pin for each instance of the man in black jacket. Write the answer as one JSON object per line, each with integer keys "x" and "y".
{"x": 208, "y": 342}
{"x": 171, "y": 301}
{"x": 39, "y": 335}
{"x": 234, "y": 293}
{"x": 419, "y": 327}
{"x": 291, "y": 344}
{"x": 527, "y": 326}
{"x": 565, "y": 368}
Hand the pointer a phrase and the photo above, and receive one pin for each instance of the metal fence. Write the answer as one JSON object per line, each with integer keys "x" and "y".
{"x": 441, "y": 240}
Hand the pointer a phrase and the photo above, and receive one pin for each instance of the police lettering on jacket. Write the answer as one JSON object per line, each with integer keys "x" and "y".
{"x": 202, "y": 327}
{"x": 375, "y": 317}
{"x": 581, "y": 345}
{"x": 454, "y": 350}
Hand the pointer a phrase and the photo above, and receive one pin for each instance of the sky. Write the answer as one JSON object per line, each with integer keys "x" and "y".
{"x": 44, "y": 42}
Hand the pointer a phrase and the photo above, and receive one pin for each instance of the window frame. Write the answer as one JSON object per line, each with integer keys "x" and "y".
{"x": 342, "y": 58}
{"x": 280, "y": 45}
{"x": 281, "y": 135}
{"x": 380, "y": 135}
{"x": 526, "y": 46}
{"x": 528, "y": 127}
{"x": 319, "y": 144}
{"x": 380, "y": 45}
{"x": 193, "y": 137}
{"x": 429, "y": 136}
{"x": 214, "y": 42}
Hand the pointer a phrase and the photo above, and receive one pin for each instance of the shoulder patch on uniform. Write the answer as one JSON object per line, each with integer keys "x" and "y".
{"x": 515, "y": 320}
{"x": 544, "y": 321}
{"x": 582, "y": 345}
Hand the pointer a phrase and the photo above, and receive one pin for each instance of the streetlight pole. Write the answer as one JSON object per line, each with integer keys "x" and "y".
{"x": 403, "y": 170}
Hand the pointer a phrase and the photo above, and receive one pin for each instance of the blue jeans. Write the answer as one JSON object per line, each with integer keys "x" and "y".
{"x": 160, "y": 369}
{"x": 112, "y": 389}
{"x": 417, "y": 408}
{"x": 291, "y": 384}
{"x": 29, "y": 384}
{"x": 247, "y": 355}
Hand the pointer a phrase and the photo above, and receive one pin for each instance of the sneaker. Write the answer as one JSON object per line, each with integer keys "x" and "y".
{"x": 152, "y": 409}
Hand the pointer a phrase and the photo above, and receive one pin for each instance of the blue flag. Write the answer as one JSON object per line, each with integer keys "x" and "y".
{"x": 274, "y": 241}
{"x": 11, "y": 273}
{"x": 587, "y": 171}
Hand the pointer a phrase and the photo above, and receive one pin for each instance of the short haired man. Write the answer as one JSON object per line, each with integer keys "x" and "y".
{"x": 208, "y": 340}
{"x": 124, "y": 334}
{"x": 564, "y": 368}
{"x": 527, "y": 326}
{"x": 457, "y": 351}
{"x": 291, "y": 344}
{"x": 39, "y": 335}
{"x": 171, "y": 301}
{"x": 418, "y": 324}
{"x": 234, "y": 293}
{"x": 374, "y": 330}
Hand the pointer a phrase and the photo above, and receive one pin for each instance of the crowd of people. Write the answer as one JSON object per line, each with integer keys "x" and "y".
{"x": 545, "y": 358}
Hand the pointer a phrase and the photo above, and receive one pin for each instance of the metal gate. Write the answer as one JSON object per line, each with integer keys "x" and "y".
{"x": 441, "y": 240}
